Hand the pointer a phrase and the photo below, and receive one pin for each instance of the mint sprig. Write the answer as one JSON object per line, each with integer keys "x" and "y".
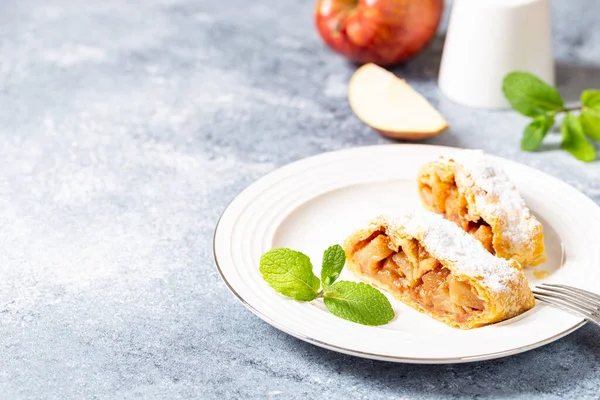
{"x": 334, "y": 259}
{"x": 574, "y": 140}
{"x": 536, "y": 131}
{"x": 358, "y": 302}
{"x": 531, "y": 96}
{"x": 590, "y": 114}
{"x": 534, "y": 98}
{"x": 290, "y": 273}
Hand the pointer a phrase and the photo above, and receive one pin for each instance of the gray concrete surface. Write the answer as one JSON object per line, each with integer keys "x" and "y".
{"x": 126, "y": 128}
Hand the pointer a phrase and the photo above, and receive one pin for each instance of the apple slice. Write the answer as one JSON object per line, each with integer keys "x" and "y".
{"x": 390, "y": 106}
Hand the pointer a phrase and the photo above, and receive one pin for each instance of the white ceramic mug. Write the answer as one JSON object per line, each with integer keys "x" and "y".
{"x": 486, "y": 40}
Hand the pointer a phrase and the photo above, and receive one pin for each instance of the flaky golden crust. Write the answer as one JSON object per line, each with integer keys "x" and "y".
{"x": 517, "y": 234}
{"x": 510, "y": 297}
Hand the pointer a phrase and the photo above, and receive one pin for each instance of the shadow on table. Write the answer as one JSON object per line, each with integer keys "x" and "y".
{"x": 572, "y": 79}
{"x": 557, "y": 366}
{"x": 424, "y": 66}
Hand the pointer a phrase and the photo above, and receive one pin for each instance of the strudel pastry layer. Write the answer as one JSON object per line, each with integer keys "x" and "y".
{"x": 471, "y": 191}
{"x": 432, "y": 265}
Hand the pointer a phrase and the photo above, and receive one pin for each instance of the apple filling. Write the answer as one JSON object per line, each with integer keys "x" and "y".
{"x": 411, "y": 271}
{"x": 442, "y": 197}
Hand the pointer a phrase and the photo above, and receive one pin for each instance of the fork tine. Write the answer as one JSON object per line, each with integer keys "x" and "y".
{"x": 591, "y": 310}
{"x": 567, "y": 306}
{"x": 572, "y": 289}
{"x": 580, "y": 299}
{"x": 561, "y": 304}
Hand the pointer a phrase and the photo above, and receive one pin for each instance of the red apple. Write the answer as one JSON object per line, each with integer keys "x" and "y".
{"x": 383, "y": 32}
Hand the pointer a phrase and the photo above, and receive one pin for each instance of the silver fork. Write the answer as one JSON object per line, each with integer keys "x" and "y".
{"x": 578, "y": 301}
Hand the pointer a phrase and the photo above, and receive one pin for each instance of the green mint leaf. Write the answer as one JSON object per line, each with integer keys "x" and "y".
{"x": 535, "y": 132}
{"x": 529, "y": 95}
{"x": 334, "y": 259}
{"x": 590, "y": 123}
{"x": 574, "y": 140}
{"x": 358, "y": 302}
{"x": 591, "y": 99}
{"x": 290, "y": 273}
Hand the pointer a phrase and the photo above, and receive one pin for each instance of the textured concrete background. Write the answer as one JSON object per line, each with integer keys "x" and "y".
{"x": 127, "y": 127}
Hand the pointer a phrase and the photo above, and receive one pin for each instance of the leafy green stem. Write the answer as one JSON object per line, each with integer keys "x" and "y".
{"x": 534, "y": 98}
{"x": 290, "y": 273}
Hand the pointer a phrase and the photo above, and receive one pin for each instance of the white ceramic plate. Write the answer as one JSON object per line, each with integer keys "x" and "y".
{"x": 316, "y": 202}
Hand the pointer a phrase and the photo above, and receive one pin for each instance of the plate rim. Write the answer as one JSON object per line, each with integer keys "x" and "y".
{"x": 371, "y": 355}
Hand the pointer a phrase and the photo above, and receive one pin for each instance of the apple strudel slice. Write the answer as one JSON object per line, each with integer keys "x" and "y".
{"x": 471, "y": 191}
{"x": 432, "y": 265}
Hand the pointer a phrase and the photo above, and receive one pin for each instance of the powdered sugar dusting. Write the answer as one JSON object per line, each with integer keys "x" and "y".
{"x": 500, "y": 197}
{"x": 445, "y": 241}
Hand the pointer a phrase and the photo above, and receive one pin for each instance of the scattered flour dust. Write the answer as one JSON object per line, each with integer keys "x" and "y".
{"x": 70, "y": 228}
{"x": 68, "y": 55}
{"x": 336, "y": 86}
{"x": 499, "y": 198}
{"x": 444, "y": 240}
